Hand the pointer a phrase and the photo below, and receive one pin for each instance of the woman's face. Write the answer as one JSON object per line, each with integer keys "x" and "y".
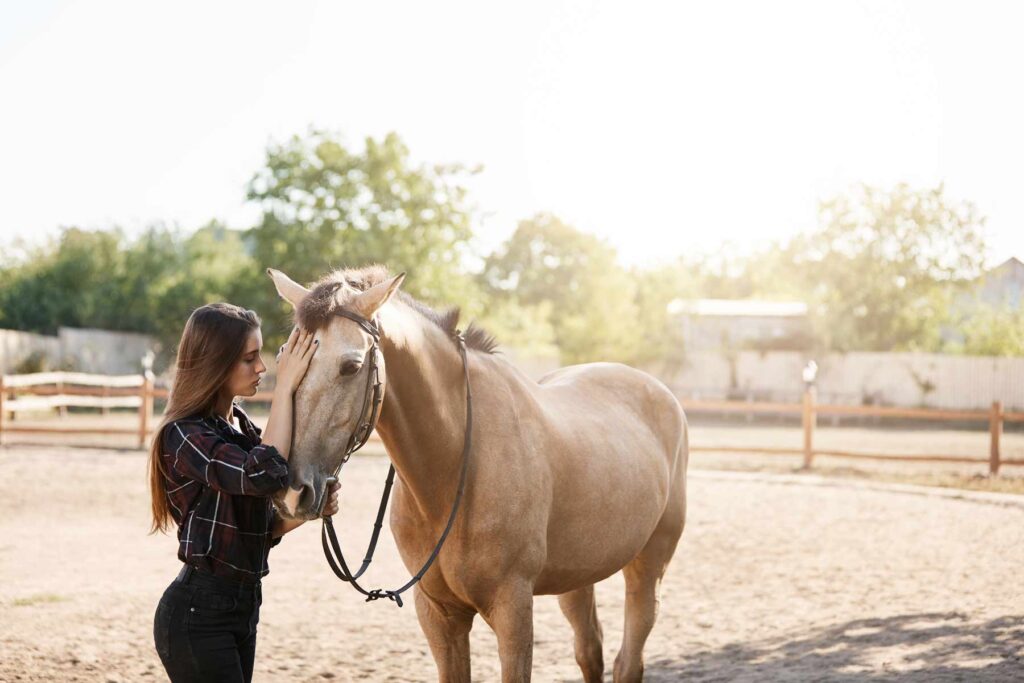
{"x": 248, "y": 371}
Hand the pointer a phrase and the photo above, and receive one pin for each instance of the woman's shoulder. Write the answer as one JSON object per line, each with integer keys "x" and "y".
{"x": 175, "y": 431}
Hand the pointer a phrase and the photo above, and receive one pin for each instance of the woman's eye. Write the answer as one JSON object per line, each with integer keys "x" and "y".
{"x": 350, "y": 367}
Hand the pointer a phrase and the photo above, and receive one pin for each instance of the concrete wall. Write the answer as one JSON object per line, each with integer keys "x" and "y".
{"x": 95, "y": 351}
{"x": 900, "y": 379}
{"x": 16, "y": 346}
{"x": 102, "y": 351}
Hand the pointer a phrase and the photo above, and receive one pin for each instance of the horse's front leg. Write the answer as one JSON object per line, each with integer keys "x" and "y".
{"x": 447, "y": 631}
{"x": 511, "y": 618}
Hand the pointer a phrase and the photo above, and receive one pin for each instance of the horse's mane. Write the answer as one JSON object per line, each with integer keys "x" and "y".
{"x": 317, "y": 309}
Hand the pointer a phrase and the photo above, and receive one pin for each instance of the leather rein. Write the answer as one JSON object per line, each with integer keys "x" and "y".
{"x": 373, "y": 398}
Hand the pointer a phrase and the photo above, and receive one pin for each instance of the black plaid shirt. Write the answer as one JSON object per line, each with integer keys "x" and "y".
{"x": 219, "y": 482}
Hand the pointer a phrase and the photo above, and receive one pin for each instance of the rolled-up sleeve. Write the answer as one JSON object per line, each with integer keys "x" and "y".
{"x": 198, "y": 452}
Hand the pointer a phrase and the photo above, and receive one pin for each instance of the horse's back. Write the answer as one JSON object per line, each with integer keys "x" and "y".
{"x": 601, "y": 392}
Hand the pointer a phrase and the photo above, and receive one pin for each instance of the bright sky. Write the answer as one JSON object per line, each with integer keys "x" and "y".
{"x": 663, "y": 127}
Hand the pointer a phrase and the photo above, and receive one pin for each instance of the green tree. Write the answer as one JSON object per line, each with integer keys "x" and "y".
{"x": 326, "y": 206}
{"x": 884, "y": 266}
{"x": 591, "y": 298}
{"x": 67, "y": 281}
{"x": 994, "y": 331}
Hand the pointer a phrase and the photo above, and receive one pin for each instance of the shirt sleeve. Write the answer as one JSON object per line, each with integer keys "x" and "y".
{"x": 198, "y": 452}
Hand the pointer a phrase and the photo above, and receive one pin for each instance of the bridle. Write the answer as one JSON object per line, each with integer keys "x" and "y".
{"x": 373, "y": 398}
{"x": 373, "y": 395}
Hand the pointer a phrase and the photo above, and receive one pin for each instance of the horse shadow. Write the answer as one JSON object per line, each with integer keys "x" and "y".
{"x": 912, "y": 648}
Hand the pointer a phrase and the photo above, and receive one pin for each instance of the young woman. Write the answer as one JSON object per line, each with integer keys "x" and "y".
{"x": 212, "y": 473}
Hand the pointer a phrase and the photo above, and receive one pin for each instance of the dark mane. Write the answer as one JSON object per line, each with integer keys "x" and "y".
{"x": 317, "y": 309}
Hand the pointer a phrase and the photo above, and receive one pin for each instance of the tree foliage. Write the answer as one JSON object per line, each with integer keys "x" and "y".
{"x": 884, "y": 266}
{"x": 881, "y": 271}
{"x": 591, "y": 298}
{"x": 994, "y": 331}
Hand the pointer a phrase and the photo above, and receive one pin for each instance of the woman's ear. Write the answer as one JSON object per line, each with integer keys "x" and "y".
{"x": 290, "y": 291}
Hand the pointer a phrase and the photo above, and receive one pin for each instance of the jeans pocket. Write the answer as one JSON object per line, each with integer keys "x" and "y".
{"x": 205, "y": 601}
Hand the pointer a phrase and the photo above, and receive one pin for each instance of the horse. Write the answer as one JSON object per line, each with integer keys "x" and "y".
{"x": 571, "y": 478}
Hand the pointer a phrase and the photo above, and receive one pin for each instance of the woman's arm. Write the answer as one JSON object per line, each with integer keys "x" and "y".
{"x": 291, "y": 368}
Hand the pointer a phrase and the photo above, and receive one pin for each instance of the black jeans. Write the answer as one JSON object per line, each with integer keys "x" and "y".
{"x": 205, "y": 628}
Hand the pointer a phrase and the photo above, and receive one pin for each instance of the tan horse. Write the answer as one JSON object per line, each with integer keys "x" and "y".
{"x": 571, "y": 478}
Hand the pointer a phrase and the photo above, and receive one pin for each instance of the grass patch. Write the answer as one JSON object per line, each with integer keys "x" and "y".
{"x": 39, "y": 599}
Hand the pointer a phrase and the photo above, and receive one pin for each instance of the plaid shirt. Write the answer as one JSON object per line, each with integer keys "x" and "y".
{"x": 219, "y": 482}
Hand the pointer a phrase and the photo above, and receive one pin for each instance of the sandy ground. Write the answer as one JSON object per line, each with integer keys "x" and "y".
{"x": 770, "y": 583}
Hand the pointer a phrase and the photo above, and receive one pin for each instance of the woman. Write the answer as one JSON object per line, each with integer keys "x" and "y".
{"x": 212, "y": 475}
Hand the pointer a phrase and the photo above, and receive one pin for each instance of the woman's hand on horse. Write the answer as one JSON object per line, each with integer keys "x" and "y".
{"x": 293, "y": 361}
{"x": 331, "y": 506}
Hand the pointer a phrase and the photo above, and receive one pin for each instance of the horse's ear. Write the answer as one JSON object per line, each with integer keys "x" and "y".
{"x": 370, "y": 301}
{"x": 290, "y": 291}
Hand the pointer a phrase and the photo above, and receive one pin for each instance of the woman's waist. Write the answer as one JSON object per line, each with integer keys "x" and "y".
{"x": 239, "y": 585}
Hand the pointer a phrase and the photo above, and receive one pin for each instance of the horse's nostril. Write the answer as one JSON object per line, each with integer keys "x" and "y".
{"x": 307, "y": 498}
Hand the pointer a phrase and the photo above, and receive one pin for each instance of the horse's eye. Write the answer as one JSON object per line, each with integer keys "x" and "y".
{"x": 351, "y": 367}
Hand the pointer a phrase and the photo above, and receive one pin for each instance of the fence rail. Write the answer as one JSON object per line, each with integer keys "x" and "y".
{"x": 809, "y": 410}
{"x": 73, "y": 389}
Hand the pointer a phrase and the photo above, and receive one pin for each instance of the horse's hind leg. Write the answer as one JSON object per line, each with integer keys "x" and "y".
{"x": 580, "y": 609}
{"x": 643, "y": 583}
{"x": 447, "y": 632}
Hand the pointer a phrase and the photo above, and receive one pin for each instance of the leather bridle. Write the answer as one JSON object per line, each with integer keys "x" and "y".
{"x": 373, "y": 395}
{"x": 373, "y": 398}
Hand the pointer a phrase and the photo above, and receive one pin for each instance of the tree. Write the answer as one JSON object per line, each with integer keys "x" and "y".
{"x": 591, "y": 298}
{"x": 884, "y": 266}
{"x": 326, "y": 206}
{"x": 994, "y": 331}
{"x": 67, "y": 281}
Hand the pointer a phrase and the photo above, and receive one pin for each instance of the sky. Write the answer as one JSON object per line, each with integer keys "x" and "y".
{"x": 665, "y": 128}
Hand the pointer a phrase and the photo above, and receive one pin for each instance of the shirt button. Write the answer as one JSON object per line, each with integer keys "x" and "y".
{"x": 191, "y": 609}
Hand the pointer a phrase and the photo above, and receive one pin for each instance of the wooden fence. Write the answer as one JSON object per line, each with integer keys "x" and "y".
{"x": 59, "y": 390}
{"x": 809, "y": 410}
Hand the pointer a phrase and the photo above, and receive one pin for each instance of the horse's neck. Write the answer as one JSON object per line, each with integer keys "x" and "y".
{"x": 423, "y": 420}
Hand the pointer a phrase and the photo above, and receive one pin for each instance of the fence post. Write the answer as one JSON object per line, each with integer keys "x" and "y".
{"x": 2, "y": 392}
{"x": 62, "y": 409}
{"x": 809, "y": 419}
{"x": 995, "y": 431}
{"x": 145, "y": 407}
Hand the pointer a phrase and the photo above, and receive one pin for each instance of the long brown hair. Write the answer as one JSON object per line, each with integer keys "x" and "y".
{"x": 212, "y": 342}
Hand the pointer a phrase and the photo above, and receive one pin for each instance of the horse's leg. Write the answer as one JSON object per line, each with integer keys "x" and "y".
{"x": 511, "y": 618}
{"x": 643, "y": 583}
{"x": 580, "y": 609}
{"x": 447, "y": 632}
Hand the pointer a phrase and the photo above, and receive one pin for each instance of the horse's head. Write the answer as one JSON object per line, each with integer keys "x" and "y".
{"x": 329, "y": 404}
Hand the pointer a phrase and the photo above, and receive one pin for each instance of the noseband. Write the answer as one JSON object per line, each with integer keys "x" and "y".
{"x": 373, "y": 397}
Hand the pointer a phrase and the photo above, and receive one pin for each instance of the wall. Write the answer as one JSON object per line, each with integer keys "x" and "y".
{"x": 901, "y": 379}
{"x": 95, "y": 351}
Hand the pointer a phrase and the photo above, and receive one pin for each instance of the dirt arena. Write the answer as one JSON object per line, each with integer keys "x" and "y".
{"x": 771, "y": 582}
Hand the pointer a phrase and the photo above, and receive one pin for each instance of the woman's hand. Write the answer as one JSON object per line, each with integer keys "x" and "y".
{"x": 331, "y": 504}
{"x": 293, "y": 360}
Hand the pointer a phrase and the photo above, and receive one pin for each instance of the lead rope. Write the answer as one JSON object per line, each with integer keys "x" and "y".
{"x": 327, "y": 532}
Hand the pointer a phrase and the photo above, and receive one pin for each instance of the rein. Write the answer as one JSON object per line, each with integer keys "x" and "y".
{"x": 373, "y": 397}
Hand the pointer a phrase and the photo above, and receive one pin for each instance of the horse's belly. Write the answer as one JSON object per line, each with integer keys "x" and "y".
{"x": 601, "y": 519}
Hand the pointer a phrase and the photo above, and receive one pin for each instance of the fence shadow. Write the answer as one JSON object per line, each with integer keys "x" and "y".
{"x": 912, "y": 648}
